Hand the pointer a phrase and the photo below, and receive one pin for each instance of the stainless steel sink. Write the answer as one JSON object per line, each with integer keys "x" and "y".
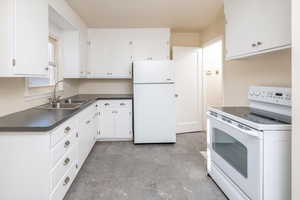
{"x": 60, "y": 106}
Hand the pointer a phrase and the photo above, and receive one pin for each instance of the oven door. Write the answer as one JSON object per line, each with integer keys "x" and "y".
{"x": 237, "y": 152}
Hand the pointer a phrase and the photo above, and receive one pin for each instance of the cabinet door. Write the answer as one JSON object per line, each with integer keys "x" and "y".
{"x": 83, "y": 142}
{"x": 151, "y": 44}
{"x": 87, "y": 136}
{"x": 123, "y": 123}
{"x": 6, "y": 37}
{"x": 110, "y": 53}
{"x": 274, "y": 23}
{"x": 106, "y": 123}
{"x": 240, "y": 27}
{"x": 71, "y": 54}
{"x": 31, "y": 37}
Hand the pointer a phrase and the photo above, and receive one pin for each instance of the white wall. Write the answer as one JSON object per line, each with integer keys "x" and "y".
{"x": 296, "y": 102}
{"x": 95, "y": 86}
{"x": 186, "y": 39}
{"x": 12, "y": 95}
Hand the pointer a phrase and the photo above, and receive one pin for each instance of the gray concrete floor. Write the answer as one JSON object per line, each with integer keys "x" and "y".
{"x": 123, "y": 171}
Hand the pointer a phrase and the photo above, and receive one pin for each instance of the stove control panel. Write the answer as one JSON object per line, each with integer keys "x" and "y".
{"x": 273, "y": 95}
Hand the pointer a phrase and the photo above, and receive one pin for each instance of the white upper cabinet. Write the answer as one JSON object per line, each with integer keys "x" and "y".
{"x": 151, "y": 44}
{"x": 24, "y": 38}
{"x": 112, "y": 51}
{"x": 256, "y": 27}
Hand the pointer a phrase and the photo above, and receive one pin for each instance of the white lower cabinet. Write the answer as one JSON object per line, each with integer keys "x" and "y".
{"x": 43, "y": 165}
{"x": 115, "y": 120}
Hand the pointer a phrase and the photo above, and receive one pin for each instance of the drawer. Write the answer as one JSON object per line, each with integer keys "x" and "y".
{"x": 115, "y": 103}
{"x": 67, "y": 128}
{"x": 63, "y": 165}
{"x": 64, "y": 184}
{"x": 88, "y": 111}
{"x": 62, "y": 147}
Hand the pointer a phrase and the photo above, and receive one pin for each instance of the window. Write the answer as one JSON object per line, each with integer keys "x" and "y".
{"x": 52, "y": 68}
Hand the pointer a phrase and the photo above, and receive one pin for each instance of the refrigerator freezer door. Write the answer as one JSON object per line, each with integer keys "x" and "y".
{"x": 153, "y": 71}
{"x": 154, "y": 113}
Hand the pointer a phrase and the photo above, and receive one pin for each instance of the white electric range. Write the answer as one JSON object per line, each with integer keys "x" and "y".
{"x": 249, "y": 154}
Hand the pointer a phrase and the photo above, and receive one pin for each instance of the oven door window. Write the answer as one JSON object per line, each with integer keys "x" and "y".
{"x": 231, "y": 150}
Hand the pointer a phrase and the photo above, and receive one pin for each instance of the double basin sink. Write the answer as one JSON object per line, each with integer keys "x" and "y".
{"x": 63, "y": 105}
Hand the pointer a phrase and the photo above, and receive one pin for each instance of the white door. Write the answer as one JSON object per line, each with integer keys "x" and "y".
{"x": 107, "y": 123}
{"x": 31, "y": 37}
{"x": 188, "y": 79}
{"x": 154, "y": 113}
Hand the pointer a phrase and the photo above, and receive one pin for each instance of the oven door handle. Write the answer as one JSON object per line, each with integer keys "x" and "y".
{"x": 239, "y": 127}
{"x": 248, "y": 132}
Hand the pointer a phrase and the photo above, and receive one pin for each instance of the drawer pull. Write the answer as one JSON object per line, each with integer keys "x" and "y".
{"x": 67, "y": 144}
{"x": 122, "y": 104}
{"x": 106, "y": 104}
{"x": 67, "y": 161}
{"x": 66, "y": 181}
{"x": 67, "y": 129}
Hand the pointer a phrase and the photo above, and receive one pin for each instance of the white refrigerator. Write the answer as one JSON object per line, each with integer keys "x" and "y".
{"x": 154, "y": 102}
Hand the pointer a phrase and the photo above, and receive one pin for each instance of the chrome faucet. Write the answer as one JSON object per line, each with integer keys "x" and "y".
{"x": 54, "y": 100}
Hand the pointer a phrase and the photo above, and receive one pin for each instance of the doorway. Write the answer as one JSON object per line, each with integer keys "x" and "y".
{"x": 212, "y": 75}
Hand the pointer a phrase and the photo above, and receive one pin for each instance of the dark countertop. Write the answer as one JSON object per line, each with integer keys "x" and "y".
{"x": 39, "y": 120}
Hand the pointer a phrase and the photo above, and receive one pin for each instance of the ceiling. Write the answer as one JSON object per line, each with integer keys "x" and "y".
{"x": 180, "y": 15}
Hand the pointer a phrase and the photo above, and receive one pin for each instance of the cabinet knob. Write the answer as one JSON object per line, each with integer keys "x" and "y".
{"x": 67, "y": 161}
{"x": 253, "y": 45}
{"x": 67, "y": 129}
{"x": 66, "y": 181}
{"x": 87, "y": 122}
{"x": 67, "y": 144}
{"x": 259, "y": 43}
